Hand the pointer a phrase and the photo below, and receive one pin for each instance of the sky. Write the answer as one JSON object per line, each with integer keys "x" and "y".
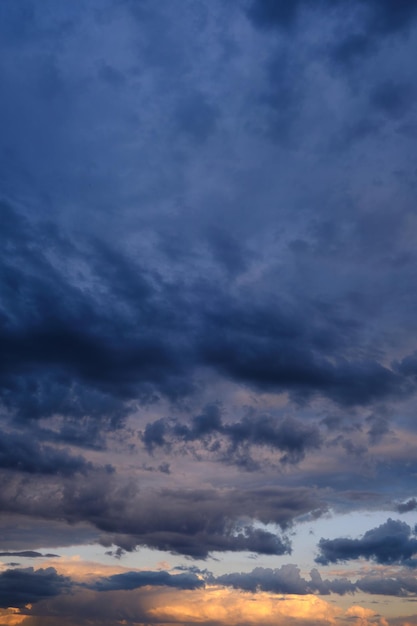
{"x": 208, "y": 304}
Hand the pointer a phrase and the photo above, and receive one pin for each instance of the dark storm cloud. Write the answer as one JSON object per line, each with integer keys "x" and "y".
{"x": 24, "y": 586}
{"x": 391, "y": 542}
{"x": 23, "y": 453}
{"x": 290, "y": 436}
{"x": 282, "y": 359}
{"x": 83, "y": 343}
{"x": 59, "y": 339}
{"x": 197, "y": 541}
{"x": 192, "y": 522}
{"x": 198, "y": 522}
{"x": 134, "y": 580}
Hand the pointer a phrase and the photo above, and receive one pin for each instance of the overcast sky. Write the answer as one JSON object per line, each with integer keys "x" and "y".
{"x": 208, "y": 308}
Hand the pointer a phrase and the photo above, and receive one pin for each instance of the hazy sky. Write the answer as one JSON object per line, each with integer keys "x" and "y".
{"x": 208, "y": 312}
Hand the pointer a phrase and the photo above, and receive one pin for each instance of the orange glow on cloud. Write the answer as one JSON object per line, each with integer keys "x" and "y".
{"x": 363, "y": 615}
{"x": 231, "y": 607}
{"x": 212, "y": 606}
{"x": 11, "y": 617}
{"x": 82, "y": 571}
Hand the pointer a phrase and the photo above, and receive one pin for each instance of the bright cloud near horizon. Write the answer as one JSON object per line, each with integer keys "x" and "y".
{"x": 208, "y": 383}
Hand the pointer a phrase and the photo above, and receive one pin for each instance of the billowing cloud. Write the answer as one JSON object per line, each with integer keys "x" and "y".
{"x": 391, "y": 542}
{"x": 23, "y": 453}
{"x": 286, "y": 579}
{"x": 192, "y": 522}
{"x": 291, "y": 437}
{"x": 19, "y": 587}
{"x": 63, "y": 358}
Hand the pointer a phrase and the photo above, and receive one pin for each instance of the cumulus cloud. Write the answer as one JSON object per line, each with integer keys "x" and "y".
{"x": 391, "y": 542}
{"x": 19, "y": 587}
{"x": 291, "y": 437}
{"x": 286, "y": 579}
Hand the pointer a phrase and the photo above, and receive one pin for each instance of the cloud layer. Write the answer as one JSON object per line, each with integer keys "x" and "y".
{"x": 207, "y": 311}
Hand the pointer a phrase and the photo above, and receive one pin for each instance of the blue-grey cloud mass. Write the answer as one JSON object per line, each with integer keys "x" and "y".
{"x": 208, "y": 292}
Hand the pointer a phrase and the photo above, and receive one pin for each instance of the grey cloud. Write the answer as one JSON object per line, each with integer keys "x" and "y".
{"x": 19, "y": 587}
{"x": 200, "y": 206}
{"x": 274, "y": 364}
{"x": 134, "y": 580}
{"x": 289, "y": 436}
{"x": 126, "y": 334}
{"x": 379, "y": 427}
{"x": 391, "y": 542}
{"x": 286, "y": 579}
{"x": 78, "y": 366}
{"x": 29, "y": 554}
{"x": 22, "y": 453}
{"x": 199, "y": 544}
{"x": 400, "y": 586}
{"x": 85, "y": 355}
{"x": 26, "y": 532}
{"x": 409, "y": 505}
{"x": 190, "y": 522}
